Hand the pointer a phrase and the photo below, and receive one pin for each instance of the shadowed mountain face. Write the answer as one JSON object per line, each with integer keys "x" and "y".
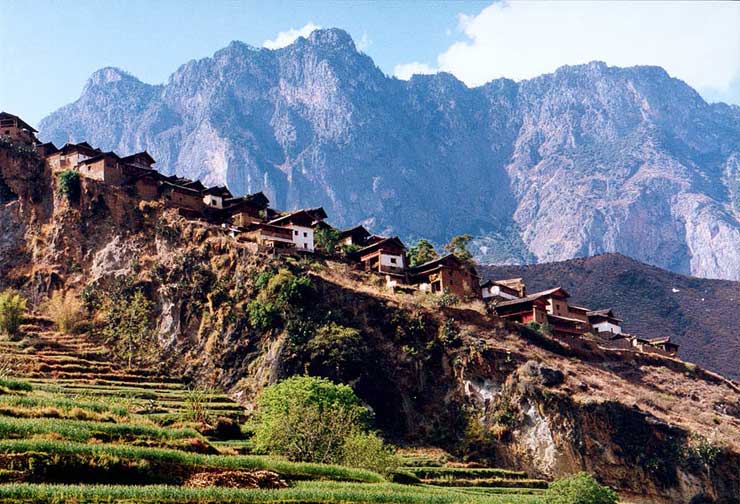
{"x": 699, "y": 314}
{"x": 589, "y": 159}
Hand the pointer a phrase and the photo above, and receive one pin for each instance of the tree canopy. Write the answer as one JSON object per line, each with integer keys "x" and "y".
{"x": 423, "y": 251}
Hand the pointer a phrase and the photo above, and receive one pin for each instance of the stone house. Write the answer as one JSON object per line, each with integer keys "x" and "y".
{"x": 246, "y": 210}
{"x": 180, "y": 196}
{"x": 387, "y": 255}
{"x": 523, "y": 310}
{"x": 271, "y": 236}
{"x": 604, "y": 321}
{"x": 71, "y": 155}
{"x": 214, "y": 196}
{"x": 302, "y": 223}
{"x": 141, "y": 160}
{"x": 446, "y": 274}
{"x": 16, "y": 129}
{"x": 46, "y": 149}
{"x": 105, "y": 167}
{"x": 356, "y": 236}
{"x": 499, "y": 290}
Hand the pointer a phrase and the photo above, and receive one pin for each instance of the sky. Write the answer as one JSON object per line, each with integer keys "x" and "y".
{"x": 49, "y": 48}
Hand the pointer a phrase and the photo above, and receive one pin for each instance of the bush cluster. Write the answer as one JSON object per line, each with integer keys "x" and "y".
{"x": 580, "y": 488}
{"x": 310, "y": 419}
{"x": 12, "y": 306}
{"x": 69, "y": 185}
{"x": 281, "y": 298}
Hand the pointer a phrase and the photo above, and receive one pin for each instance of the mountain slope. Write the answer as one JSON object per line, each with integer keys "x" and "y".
{"x": 699, "y": 314}
{"x": 586, "y": 160}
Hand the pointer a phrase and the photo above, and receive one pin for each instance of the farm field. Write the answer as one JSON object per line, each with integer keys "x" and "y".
{"x": 75, "y": 427}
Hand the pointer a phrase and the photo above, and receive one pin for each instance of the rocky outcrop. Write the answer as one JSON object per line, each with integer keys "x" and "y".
{"x": 586, "y": 160}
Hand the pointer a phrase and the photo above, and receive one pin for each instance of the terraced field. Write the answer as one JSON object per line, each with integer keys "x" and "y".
{"x": 76, "y": 427}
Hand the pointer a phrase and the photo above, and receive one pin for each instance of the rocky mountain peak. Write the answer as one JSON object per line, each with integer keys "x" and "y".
{"x": 108, "y": 75}
{"x": 331, "y": 38}
{"x": 588, "y": 159}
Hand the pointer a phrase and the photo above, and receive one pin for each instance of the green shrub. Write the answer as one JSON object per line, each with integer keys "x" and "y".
{"x": 543, "y": 329}
{"x": 327, "y": 239}
{"x": 262, "y": 316}
{"x": 69, "y": 185}
{"x": 307, "y": 419}
{"x": 580, "y": 488}
{"x": 446, "y": 299}
{"x": 12, "y": 306}
{"x": 367, "y": 451}
{"x": 448, "y": 334}
{"x": 282, "y": 296}
{"x": 262, "y": 279}
{"x": 287, "y": 290}
{"x": 335, "y": 349}
{"x": 350, "y": 248}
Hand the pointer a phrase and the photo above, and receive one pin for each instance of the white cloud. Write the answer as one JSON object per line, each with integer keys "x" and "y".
{"x": 406, "y": 70}
{"x": 698, "y": 42}
{"x": 286, "y": 38}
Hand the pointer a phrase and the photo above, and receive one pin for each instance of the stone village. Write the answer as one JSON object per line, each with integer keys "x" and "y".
{"x": 250, "y": 218}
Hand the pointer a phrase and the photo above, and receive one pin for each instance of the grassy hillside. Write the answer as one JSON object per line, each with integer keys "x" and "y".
{"x": 76, "y": 429}
{"x": 699, "y": 314}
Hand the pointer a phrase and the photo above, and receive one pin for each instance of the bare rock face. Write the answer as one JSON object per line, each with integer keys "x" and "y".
{"x": 586, "y": 160}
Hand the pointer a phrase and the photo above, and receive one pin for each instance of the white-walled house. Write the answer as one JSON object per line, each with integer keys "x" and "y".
{"x": 303, "y": 224}
{"x": 215, "y": 196}
{"x": 494, "y": 290}
{"x": 386, "y": 255}
{"x": 604, "y": 321}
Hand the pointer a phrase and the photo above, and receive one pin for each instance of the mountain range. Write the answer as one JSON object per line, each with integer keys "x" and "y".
{"x": 586, "y": 160}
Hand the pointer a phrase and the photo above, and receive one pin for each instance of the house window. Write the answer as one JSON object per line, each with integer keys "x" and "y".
{"x": 305, "y": 245}
{"x": 295, "y": 232}
{"x": 305, "y": 234}
{"x": 393, "y": 260}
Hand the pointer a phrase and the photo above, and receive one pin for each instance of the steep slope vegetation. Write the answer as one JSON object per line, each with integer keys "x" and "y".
{"x": 586, "y": 160}
{"x": 698, "y": 314}
{"x": 658, "y": 429}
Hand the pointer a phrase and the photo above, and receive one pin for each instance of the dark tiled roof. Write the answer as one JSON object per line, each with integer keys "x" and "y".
{"x": 100, "y": 156}
{"x": 21, "y": 122}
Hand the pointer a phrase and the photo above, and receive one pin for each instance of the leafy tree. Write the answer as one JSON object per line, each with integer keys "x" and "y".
{"x": 12, "y": 306}
{"x": 336, "y": 349}
{"x": 423, "y": 251}
{"x": 327, "y": 239}
{"x": 368, "y": 451}
{"x": 459, "y": 247}
{"x": 580, "y": 488}
{"x": 307, "y": 419}
{"x": 128, "y": 326}
{"x": 69, "y": 185}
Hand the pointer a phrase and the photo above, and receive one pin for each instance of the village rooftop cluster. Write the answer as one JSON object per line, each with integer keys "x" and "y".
{"x": 250, "y": 218}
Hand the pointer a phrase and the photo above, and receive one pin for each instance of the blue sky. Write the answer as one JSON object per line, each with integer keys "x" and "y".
{"x": 48, "y": 48}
